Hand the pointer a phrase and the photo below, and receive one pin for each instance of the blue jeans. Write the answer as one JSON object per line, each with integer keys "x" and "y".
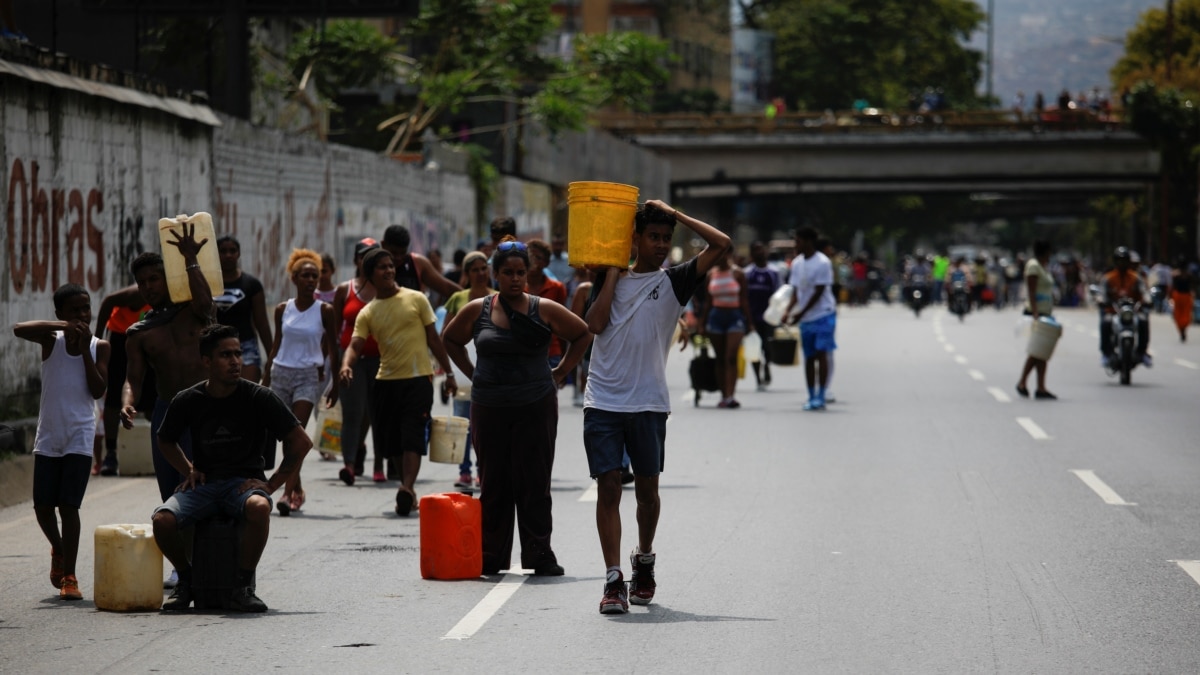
{"x": 463, "y": 409}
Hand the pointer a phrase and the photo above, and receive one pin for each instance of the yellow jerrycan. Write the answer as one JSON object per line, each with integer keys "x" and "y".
{"x": 173, "y": 264}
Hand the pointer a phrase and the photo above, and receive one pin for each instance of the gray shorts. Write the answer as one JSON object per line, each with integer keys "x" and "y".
{"x": 207, "y": 500}
{"x": 296, "y": 384}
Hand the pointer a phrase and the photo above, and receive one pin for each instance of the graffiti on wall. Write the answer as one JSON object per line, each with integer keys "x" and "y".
{"x": 53, "y": 235}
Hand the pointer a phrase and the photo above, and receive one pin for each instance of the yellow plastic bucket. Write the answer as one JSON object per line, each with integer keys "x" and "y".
{"x": 600, "y": 223}
{"x": 447, "y": 439}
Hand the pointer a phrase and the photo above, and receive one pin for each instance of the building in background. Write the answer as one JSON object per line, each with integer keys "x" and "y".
{"x": 751, "y": 69}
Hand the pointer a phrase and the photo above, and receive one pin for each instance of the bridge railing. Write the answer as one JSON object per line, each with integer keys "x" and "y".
{"x": 868, "y": 121}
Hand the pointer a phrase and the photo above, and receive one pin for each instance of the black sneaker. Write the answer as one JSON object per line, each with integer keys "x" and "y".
{"x": 641, "y": 584}
{"x": 552, "y": 569}
{"x": 627, "y": 476}
{"x": 109, "y": 466}
{"x": 244, "y": 600}
{"x": 179, "y": 599}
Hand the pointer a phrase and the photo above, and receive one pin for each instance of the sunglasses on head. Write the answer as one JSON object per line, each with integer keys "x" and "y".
{"x": 510, "y": 246}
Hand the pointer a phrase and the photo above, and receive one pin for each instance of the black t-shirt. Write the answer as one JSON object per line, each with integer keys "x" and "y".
{"x": 228, "y": 433}
{"x": 407, "y": 274}
{"x": 234, "y": 305}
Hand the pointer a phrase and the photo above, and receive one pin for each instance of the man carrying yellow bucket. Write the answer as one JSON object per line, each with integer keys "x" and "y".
{"x": 626, "y": 403}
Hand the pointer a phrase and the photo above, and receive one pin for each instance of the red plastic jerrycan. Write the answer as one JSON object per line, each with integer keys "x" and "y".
{"x": 451, "y": 536}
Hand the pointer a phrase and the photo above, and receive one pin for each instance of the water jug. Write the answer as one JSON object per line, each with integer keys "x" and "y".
{"x": 134, "y": 450}
{"x": 451, "y": 537}
{"x": 128, "y": 569}
{"x": 176, "y": 269}
{"x": 447, "y": 439}
{"x": 1043, "y": 337}
{"x": 600, "y": 223}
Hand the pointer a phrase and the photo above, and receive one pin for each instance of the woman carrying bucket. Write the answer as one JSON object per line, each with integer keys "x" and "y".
{"x": 478, "y": 281}
{"x": 1040, "y": 301}
{"x": 514, "y": 406}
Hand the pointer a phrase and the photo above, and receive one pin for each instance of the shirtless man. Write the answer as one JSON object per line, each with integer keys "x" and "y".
{"x": 167, "y": 340}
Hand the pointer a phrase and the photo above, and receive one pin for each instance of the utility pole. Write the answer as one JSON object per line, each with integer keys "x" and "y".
{"x": 991, "y": 37}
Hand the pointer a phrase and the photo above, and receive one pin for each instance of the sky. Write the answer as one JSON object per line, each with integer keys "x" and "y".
{"x": 1049, "y": 45}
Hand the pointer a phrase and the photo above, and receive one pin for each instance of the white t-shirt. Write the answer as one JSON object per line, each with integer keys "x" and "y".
{"x": 806, "y": 274}
{"x": 629, "y": 359}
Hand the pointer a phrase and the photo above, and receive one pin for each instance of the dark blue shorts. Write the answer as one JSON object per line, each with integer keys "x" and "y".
{"x": 60, "y": 481}
{"x": 206, "y": 501}
{"x": 607, "y": 436}
{"x": 723, "y": 320}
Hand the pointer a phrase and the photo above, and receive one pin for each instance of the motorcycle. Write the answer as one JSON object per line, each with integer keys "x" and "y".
{"x": 1125, "y": 322}
{"x": 960, "y": 300}
{"x": 918, "y": 295}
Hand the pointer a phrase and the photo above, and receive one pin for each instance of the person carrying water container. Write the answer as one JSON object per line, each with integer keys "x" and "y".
{"x": 514, "y": 405}
{"x": 626, "y": 403}
{"x": 1040, "y": 286}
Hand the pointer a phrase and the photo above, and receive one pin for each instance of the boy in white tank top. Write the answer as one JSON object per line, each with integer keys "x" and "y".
{"x": 74, "y": 376}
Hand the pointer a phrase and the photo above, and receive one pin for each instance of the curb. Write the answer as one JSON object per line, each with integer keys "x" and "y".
{"x": 16, "y": 480}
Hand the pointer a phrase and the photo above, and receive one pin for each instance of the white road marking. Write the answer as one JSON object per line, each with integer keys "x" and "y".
{"x": 949, "y": 348}
{"x": 1080, "y": 328}
{"x": 960, "y": 360}
{"x": 1034, "y": 430}
{"x": 487, "y": 607}
{"x": 941, "y": 338}
{"x": 1187, "y": 364}
{"x": 999, "y": 395}
{"x": 1101, "y": 488}
{"x": 1192, "y": 567}
{"x": 591, "y": 494}
{"x": 978, "y": 376}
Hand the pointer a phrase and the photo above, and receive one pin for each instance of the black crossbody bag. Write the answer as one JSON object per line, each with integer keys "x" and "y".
{"x": 526, "y": 329}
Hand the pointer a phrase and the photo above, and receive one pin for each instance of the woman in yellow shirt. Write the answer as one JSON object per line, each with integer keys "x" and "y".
{"x": 402, "y": 322}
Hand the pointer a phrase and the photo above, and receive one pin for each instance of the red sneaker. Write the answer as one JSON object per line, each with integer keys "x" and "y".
{"x": 616, "y": 598}
{"x": 641, "y": 584}
{"x": 70, "y": 588}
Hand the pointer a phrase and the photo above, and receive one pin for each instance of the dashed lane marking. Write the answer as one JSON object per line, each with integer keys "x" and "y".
{"x": 1101, "y": 488}
{"x": 949, "y": 348}
{"x": 487, "y": 607}
{"x": 591, "y": 494}
{"x": 998, "y": 394}
{"x": 1033, "y": 429}
{"x": 978, "y": 376}
{"x": 1187, "y": 364}
{"x": 1192, "y": 567}
{"x": 960, "y": 360}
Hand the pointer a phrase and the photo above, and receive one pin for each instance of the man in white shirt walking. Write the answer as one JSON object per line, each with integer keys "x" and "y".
{"x": 812, "y": 280}
{"x": 626, "y": 403}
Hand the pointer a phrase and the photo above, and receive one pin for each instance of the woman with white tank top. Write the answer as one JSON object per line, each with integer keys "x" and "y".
{"x": 295, "y": 369}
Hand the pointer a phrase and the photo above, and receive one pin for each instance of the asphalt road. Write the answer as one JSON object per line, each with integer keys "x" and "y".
{"x": 930, "y": 521}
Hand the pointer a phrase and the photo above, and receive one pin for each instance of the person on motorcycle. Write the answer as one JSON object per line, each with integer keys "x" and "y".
{"x": 958, "y": 277}
{"x": 917, "y": 277}
{"x": 1119, "y": 283}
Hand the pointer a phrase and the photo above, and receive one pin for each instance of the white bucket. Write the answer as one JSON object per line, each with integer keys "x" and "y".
{"x": 1043, "y": 336}
{"x": 448, "y": 439}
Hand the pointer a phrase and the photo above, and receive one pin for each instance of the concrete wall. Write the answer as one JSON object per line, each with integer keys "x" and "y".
{"x": 276, "y": 192}
{"x": 594, "y": 155}
{"x": 84, "y": 181}
{"x": 530, "y": 204}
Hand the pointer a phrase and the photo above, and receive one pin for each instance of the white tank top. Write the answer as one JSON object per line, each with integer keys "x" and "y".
{"x": 67, "y": 418}
{"x": 300, "y": 346}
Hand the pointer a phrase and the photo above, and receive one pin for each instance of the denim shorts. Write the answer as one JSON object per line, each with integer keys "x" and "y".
{"x": 607, "y": 436}
{"x": 205, "y": 501}
{"x": 722, "y": 320}
{"x": 817, "y": 335}
{"x": 250, "y": 354}
{"x": 296, "y": 384}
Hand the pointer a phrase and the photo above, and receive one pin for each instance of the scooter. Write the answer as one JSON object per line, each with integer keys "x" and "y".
{"x": 917, "y": 295}
{"x": 960, "y": 300}
{"x": 1125, "y": 348}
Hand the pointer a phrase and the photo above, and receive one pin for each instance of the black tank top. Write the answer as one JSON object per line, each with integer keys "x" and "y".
{"x": 507, "y": 372}
{"x": 407, "y": 275}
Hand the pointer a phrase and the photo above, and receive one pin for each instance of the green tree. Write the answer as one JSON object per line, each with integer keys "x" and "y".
{"x": 343, "y": 55}
{"x": 832, "y": 52}
{"x": 473, "y": 50}
{"x": 1147, "y": 51}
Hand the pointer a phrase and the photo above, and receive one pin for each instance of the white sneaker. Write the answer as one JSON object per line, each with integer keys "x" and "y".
{"x": 172, "y": 581}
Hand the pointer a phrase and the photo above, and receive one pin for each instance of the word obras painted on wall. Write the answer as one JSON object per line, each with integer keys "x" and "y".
{"x": 52, "y": 237}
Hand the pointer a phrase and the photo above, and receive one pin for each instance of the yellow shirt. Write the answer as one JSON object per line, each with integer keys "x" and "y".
{"x": 398, "y": 325}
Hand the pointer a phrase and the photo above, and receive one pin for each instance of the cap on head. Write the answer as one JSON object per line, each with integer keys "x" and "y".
{"x": 365, "y": 244}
